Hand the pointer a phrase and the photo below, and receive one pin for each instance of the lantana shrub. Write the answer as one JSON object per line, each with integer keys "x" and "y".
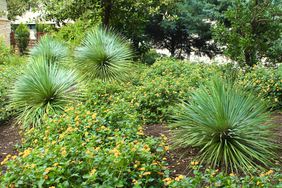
{"x": 80, "y": 148}
{"x": 266, "y": 82}
{"x": 8, "y": 74}
{"x": 207, "y": 177}
{"x": 164, "y": 84}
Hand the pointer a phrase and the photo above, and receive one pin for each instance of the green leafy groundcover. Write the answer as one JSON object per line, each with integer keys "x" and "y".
{"x": 83, "y": 148}
{"x": 8, "y": 74}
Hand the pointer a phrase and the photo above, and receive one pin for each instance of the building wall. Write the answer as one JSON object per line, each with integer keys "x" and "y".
{"x": 5, "y": 25}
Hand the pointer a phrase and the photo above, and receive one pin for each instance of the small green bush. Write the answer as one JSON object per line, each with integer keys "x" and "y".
{"x": 8, "y": 74}
{"x": 164, "y": 84}
{"x": 150, "y": 57}
{"x": 41, "y": 27}
{"x": 72, "y": 34}
{"x": 230, "y": 127}
{"x": 22, "y": 37}
{"x": 266, "y": 83}
{"x": 4, "y": 52}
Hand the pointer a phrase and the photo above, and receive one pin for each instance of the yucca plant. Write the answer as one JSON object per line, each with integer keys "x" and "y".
{"x": 104, "y": 55}
{"x": 43, "y": 88}
{"x": 230, "y": 127}
{"x": 49, "y": 49}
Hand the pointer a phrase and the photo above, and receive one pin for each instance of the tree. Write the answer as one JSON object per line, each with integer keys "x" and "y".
{"x": 254, "y": 31}
{"x": 128, "y": 17}
{"x": 184, "y": 27}
{"x": 18, "y": 7}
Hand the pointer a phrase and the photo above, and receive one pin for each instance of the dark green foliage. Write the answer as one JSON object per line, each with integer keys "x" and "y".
{"x": 22, "y": 37}
{"x": 229, "y": 126}
{"x": 182, "y": 27}
{"x": 253, "y": 31}
{"x": 8, "y": 74}
{"x": 4, "y": 51}
{"x": 150, "y": 57}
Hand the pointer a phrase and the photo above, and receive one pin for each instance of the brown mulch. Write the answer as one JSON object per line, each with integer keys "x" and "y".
{"x": 9, "y": 137}
{"x": 179, "y": 160}
{"x": 277, "y": 120}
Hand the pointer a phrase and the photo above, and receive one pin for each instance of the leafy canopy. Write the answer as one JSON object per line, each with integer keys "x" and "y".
{"x": 251, "y": 31}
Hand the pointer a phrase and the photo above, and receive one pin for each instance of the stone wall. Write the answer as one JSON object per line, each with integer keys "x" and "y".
{"x": 5, "y": 30}
{"x": 5, "y": 25}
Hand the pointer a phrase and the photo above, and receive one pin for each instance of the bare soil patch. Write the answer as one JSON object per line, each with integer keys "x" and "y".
{"x": 9, "y": 137}
{"x": 178, "y": 160}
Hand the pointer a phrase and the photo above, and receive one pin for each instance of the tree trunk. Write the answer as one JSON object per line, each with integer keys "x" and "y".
{"x": 172, "y": 47}
{"x": 250, "y": 57}
{"x": 107, "y": 7}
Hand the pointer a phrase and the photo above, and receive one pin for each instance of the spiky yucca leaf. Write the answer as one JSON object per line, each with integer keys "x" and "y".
{"x": 104, "y": 55}
{"x": 49, "y": 49}
{"x": 43, "y": 88}
{"x": 229, "y": 126}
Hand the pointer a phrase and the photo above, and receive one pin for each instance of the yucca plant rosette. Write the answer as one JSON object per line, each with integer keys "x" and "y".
{"x": 230, "y": 127}
{"x": 41, "y": 89}
{"x": 104, "y": 55}
{"x": 50, "y": 49}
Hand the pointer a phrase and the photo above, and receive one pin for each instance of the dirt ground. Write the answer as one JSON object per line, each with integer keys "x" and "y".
{"x": 9, "y": 138}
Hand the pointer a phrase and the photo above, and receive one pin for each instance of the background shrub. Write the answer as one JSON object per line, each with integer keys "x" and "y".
{"x": 150, "y": 57}
{"x": 22, "y": 37}
{"x": 266, "y": 82}
{"x": 72, "y": 34}
{"x": 41, "y": 27}
{"x": 4, "y": 51}
{"x": 164, "y": 84}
